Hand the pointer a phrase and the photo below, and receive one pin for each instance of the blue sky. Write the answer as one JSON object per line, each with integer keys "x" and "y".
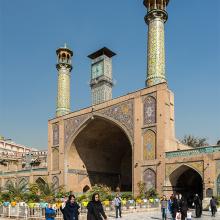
{"x": 30, "y": 32}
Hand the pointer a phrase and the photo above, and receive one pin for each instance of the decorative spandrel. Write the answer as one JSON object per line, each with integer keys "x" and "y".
{"x": 197, "y": 166}
{"x": 149, "y": 110}
{"x": 72, "y": 124}
{"x": 149, "y": 145}
{"x": 55, "y": 134}
{"x": 123, "y": 113}
{"x": 149, "y": 178}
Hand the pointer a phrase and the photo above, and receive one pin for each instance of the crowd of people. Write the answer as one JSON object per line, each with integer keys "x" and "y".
{"x": 177, "y": 206}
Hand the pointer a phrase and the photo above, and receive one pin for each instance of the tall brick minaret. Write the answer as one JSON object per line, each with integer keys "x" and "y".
{"x": 156, "y": 18}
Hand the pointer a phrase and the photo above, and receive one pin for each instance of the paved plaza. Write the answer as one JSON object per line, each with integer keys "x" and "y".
{"x": 157, "y": 215}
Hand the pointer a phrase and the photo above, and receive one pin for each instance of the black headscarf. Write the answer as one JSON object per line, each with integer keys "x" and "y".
{"x": 70, "y": 211}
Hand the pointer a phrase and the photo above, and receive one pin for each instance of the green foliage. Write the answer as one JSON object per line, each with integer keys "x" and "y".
{"x": 102, "y": 190}
{"x": 110, "y": 197}
{"x": 193, "y": 141}
{"x": 49, "y": 191}
{"x": 143, "y": 193}
{"x": 16, "y": 190}
{"x": 33, "y": 188}
{"x": 81, "y": 198}
{"x": 5, "y": 196}
{"x": 151, "y": 193}
{"x": 127, "y": 195}
{"x": 31, "y": 197}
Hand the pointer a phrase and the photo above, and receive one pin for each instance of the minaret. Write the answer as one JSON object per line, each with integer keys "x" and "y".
{"x": 156, "y": 18}
{"x": 64, "y": 67}
{"x": 101, "y": 75}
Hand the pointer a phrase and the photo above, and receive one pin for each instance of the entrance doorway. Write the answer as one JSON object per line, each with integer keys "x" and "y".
{"x": 103, "y": 150}
{"x": 188, "y": 182}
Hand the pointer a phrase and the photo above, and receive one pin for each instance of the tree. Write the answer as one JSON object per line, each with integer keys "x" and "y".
{"x": 48, "y": 191}
{"x": 195, "y": 142}
{"x": 16, "y": 190}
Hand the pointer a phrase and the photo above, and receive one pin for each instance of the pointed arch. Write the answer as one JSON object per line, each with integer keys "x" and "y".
{"x": 100, "y": 150}
{"x": 40, "y": 180}
{"x": 55, "y": 181}
{"x": 149, "y": 178}
{"x": 86, "y": 188}
{"x": 186, "y": 180}
{"x": 88, "y": 120}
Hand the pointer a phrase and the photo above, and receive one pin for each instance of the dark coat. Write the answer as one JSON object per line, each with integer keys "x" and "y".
{"x": 198, "y": 206}
{"x": 184, "y": 208}
{"x": 70, "y": 211}
{"x": 95, "y": 211}
{"x": 175, "y": 207}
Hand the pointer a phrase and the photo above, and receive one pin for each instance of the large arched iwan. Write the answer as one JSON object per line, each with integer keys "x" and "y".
{"x": 103, "y": 152}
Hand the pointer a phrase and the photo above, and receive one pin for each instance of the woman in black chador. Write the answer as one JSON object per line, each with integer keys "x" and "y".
{"x": 70, "y": 209}
{"x": 95, "y": 209}
{"x": 198, "y": 206}
{"x": 184, "y": 208}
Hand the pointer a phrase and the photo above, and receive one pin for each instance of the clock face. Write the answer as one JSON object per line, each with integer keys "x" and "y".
{"x": 97, "y": 69}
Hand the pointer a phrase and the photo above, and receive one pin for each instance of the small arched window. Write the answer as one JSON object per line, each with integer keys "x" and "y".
{"x": 86, "y": 188}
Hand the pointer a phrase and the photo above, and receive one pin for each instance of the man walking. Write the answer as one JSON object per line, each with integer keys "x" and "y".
{"x": 213, "y": 205}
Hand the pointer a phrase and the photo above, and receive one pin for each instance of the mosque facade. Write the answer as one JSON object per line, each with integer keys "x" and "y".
{"x": 122, "y": 141}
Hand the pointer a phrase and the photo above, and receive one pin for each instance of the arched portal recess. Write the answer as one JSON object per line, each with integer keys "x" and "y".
{"x": 102, "y": 150}
{"x": 187, "y": 181}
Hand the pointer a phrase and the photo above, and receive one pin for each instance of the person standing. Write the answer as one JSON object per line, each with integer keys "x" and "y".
{"x": 184, "y": 208}
{"x": 213, "y": 205}
{"x": 198, "y": 206}
{"x": 171, "y": 206}
{"x": 175, "y": 207}
{"x": 95, "y": 209}
{"x": 164, "y": 205}
{"x": 50, "y": 213}
{"x": 117, "y": 204}
{"x": 70, "y": 209}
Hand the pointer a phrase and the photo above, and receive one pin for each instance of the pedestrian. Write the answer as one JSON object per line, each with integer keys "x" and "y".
{"x": 117, "y": 204}
{"x": 164, "y": 205}
{"x": 213, "y": 205}
{"x": 189, "y": 215}
{"x": 184, "y": 208}
{"x": 198, "y": 206}
{"x": 95, "y": 209}
{"x": 70, "y": 209}
{"x": 175, "y": 207}
{"x": 50, "y": 213}
{"x": 170, "y": 206}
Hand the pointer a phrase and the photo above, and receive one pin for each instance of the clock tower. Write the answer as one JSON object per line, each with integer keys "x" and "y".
{"x": 101, "y": 75}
